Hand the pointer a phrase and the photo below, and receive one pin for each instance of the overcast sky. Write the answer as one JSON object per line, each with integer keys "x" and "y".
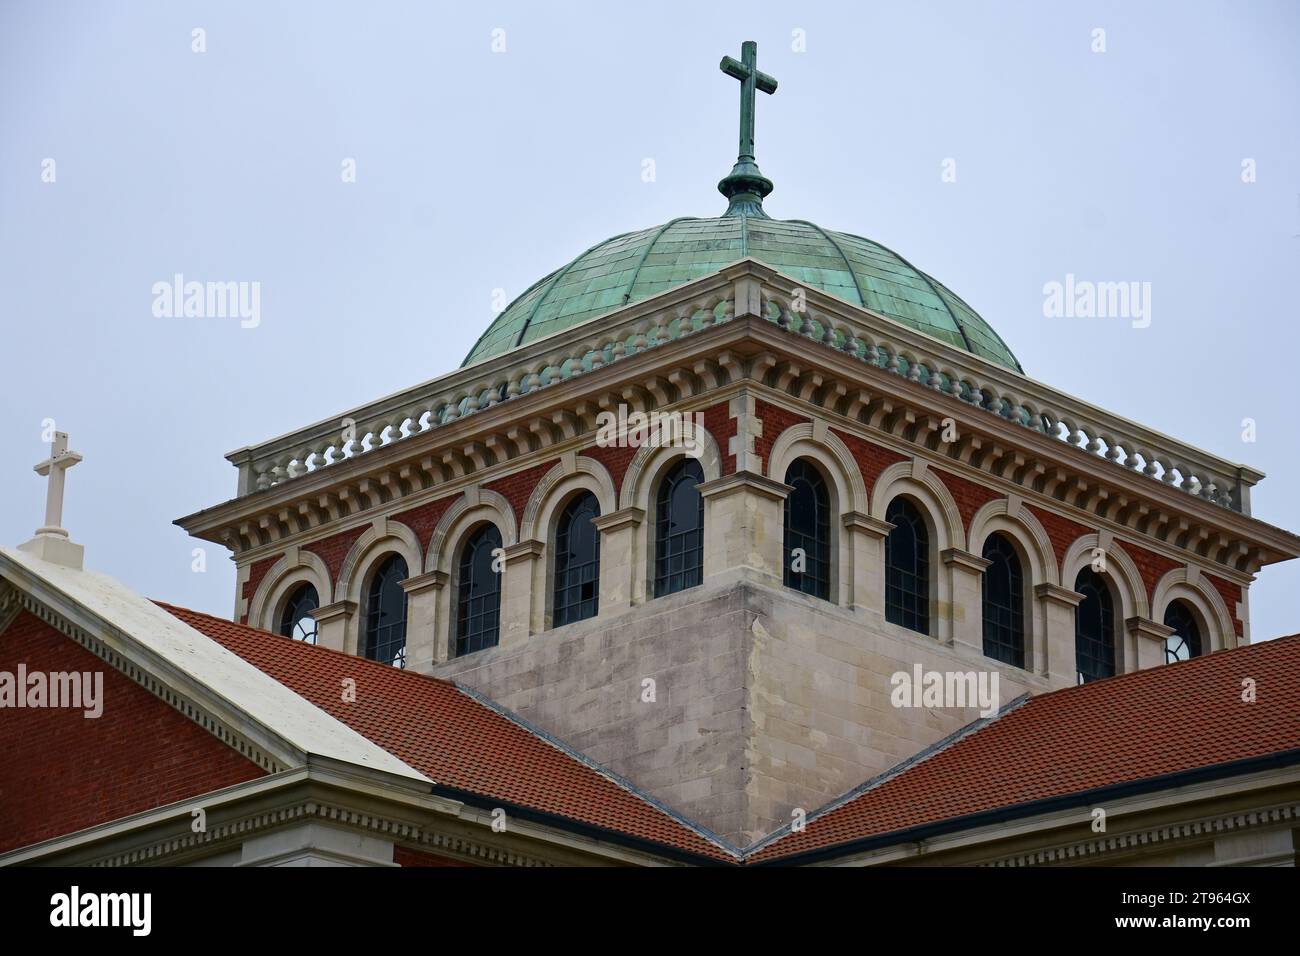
{"x": 479, "y": 170}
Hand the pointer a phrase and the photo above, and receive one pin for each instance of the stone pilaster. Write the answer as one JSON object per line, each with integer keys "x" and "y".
{"x": 334, "y": 626}
{"x": 744, "y": 524}
{"x": 517, "y": 591}
{"x": 865, "y": 548}
{"x": 1054, "y": 656}
{"x": 1145, "y": 646}
{"x": 427, "y": 642}
{"x": 618, "y": 548}
{"x": 966, "y": 591}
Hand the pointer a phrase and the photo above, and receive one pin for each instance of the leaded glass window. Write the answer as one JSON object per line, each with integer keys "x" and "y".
{"x": 1004, "y": 602}
{"x": 679, "y": 529}
{"x": 907, "y": 567}
{"x": 1185, "y": 642}
{"x": 1094, "y": 628}
{"x": 808, "y": 529}
{"x": 296, "y": 620}
{"x": 577, "y": 562}
{"x": 386, "y": 613}
{"x": 478, "y": 596}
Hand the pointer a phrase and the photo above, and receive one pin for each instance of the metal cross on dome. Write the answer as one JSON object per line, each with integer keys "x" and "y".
{"x": 746, "y": 70}
{"x": 745, "y": 187}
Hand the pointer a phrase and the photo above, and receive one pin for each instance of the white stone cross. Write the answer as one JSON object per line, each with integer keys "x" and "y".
{"x": 54, "y": 467}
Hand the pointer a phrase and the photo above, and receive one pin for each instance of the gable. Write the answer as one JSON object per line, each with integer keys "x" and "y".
{"x": 61, "y": 771}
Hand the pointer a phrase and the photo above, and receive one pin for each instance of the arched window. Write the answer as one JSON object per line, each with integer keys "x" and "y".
{"x": 1094, "y": 628}
{"x": 1185, "y": 642}
{"x": 679, "y": 529}
{"x": 907, "y": 567}
{"x": 296, "y": 621}
{"x": 386, "y": 613}
{"x": 478, "y": 595}
{"x": 1004, "y": 602}
{"x": 577, "y": 562}
{"x": 808, "y": 528}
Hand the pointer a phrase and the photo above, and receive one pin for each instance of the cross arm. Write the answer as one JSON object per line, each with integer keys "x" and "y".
{"x": 733, "y": 67}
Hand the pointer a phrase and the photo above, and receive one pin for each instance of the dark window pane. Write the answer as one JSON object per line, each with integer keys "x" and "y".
{"x": 679, "y": 529}
{"x": 478, "y": 596}
{"x": 1004, "y": 603}
{"x": 807, "y": 526}
{"x": 386, "y": 613}
{"x": 577, "y": 562}
{"x": 1185, "y": 642}
{"x": 1094, "y": 628}
{"x": 907, "y": 567}
{"x": 296, "y": 621}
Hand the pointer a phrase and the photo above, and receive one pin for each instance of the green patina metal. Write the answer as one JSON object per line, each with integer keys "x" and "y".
{"x": 745, "y": 187}
{"x": 637, "y": 265}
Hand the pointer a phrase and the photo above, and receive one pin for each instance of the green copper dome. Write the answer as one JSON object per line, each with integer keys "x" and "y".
{"x": 637, "y": 265}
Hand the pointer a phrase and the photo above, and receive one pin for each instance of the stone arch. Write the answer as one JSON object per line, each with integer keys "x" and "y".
{"x": 650, "y": 461}
{"x": 380, "y": 538}
{"x": 1206, "y": 602}
{"x": 1024, "y": 528}
{"x": 557, "y": 486}
{"x": 914, "y": 479}
{"x": 296, "y": 567}
{"x": 474, "y": 507}
{"x": 829, "y": 452}
{"x": 1120, "y": 571}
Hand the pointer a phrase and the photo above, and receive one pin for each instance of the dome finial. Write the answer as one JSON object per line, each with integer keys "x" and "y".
{"x": 745, "y": 187}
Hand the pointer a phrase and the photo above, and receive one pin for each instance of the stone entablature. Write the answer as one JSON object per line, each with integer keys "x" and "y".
{"x": 861, "y": 390}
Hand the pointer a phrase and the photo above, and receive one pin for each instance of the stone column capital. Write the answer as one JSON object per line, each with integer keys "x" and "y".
{"x": 330, "y": 612}
{"x": 422, "y": 582}
{"x": 531, "y": 548}
{"x": 956, "y": 557}
{"x": 1055, "y": 594}
{"x": 1143, "y": 627}
{"x": 624, "y": 517}
{"x": 866, "y": 525}
{"x": 747, "y": 481}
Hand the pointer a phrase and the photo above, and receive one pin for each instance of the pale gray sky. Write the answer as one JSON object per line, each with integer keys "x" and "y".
{"x": 479, "y": 170}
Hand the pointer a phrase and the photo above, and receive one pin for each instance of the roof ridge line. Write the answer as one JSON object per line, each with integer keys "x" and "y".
{"x": 617, "y": 779}
{"x": 885, "y": 776}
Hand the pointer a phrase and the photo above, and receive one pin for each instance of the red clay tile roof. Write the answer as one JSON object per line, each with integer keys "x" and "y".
{"x": 452, "y": 738}
{"x": 1153, "y": 722}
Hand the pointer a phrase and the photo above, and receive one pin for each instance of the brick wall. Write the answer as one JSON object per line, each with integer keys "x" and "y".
{"x": 871, "y": 459}
{"x": 518, "y": 488}
{"x": 1231, "y": 594}
{"x": 256, "y": 572}
{"x": 775, "y": 421}
{"x": 424, "y": 520}
{"x": 614, "y": 459}
{"x": 1062, "y": 532}
{"x": 969, "y": 496}
{"x": 334, "y": 550}
{"x": 61, "y": 772}
{"x": 722, "y": 427}
{"x": 1151, "y": 566}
